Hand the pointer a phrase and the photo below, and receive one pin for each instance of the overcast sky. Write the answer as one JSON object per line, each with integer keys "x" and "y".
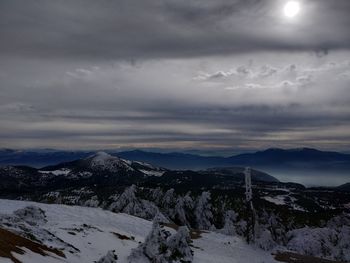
{"x": 223, "y": 75}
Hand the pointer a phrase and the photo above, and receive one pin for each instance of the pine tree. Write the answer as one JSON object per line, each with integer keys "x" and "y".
{"x": 161, "y": 247}
{"x": 130, "y": 204}
{"x": 203, "y": 212}
{"x": 179, "y": 246}
{"x": 168, "y": 202}
{"x": 154, "y": 249}
{"x": 157, "y": 196}
{"x": 229, "y": 220}
{"x": 179, "y": 211}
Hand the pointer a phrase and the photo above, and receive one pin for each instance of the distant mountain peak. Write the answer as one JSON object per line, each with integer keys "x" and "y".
{"x": 104, "y": 161}
{"x": 102, "y": 155}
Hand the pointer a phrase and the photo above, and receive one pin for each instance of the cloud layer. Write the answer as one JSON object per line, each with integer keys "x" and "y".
{"x": 174, "y": 74}
{"x": 131, "y": 29}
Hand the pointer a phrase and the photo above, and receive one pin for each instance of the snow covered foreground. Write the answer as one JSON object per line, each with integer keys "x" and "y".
{"x": 87, "y": 234}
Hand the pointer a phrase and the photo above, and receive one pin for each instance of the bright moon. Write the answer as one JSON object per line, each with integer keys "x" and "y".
{"x": 291, "y": 9}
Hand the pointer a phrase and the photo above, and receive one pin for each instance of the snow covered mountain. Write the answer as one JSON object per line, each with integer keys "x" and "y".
{"x": 100, "y": 169}
{"x": 273, "y": 158}
{"x": 210, "y": 203}
{"x": 41, "y": 233}
{"x": 213, "y": 202}
{"x": 33, "y": 232}
{"x": 103, "y": 169}
{"x": 103, "y": 162}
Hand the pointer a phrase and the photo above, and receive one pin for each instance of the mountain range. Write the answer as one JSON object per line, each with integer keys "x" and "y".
{"x": 104, "y": 170}
{"x": 299, "y": 157}
{"x": 305, "y": 158}
{"x": 302, "y": 165}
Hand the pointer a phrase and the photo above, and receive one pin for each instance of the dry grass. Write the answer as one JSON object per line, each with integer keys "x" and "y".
{"x": 290, "y": 257}
{"x": 13, "y": 243}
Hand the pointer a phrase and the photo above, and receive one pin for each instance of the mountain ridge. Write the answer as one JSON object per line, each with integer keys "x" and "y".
{"x": 297, "y": 162}
{"x": 105, "y": 170}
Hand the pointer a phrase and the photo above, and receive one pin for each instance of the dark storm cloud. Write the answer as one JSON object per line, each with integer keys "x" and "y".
{"x": 133, "y": 29}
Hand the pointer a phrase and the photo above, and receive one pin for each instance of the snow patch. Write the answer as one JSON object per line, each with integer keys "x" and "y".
{"x": 152, "y": 172}
{"x": 59, "y": 172}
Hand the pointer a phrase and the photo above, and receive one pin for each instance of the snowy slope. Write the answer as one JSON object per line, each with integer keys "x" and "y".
{"x": 93, "y": 232}
{"x": 94, "y": 241}
{"x": 218, "y": 248}
{"x": 102, "y": 162}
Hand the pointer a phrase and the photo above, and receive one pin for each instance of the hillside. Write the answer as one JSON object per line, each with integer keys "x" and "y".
{"x": 344, "y": 187}
{"x": 86, "y": 234}
{"x": 105, "y": 170}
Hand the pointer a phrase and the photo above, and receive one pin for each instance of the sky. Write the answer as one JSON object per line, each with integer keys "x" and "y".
{"x": 224, "y": 75}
